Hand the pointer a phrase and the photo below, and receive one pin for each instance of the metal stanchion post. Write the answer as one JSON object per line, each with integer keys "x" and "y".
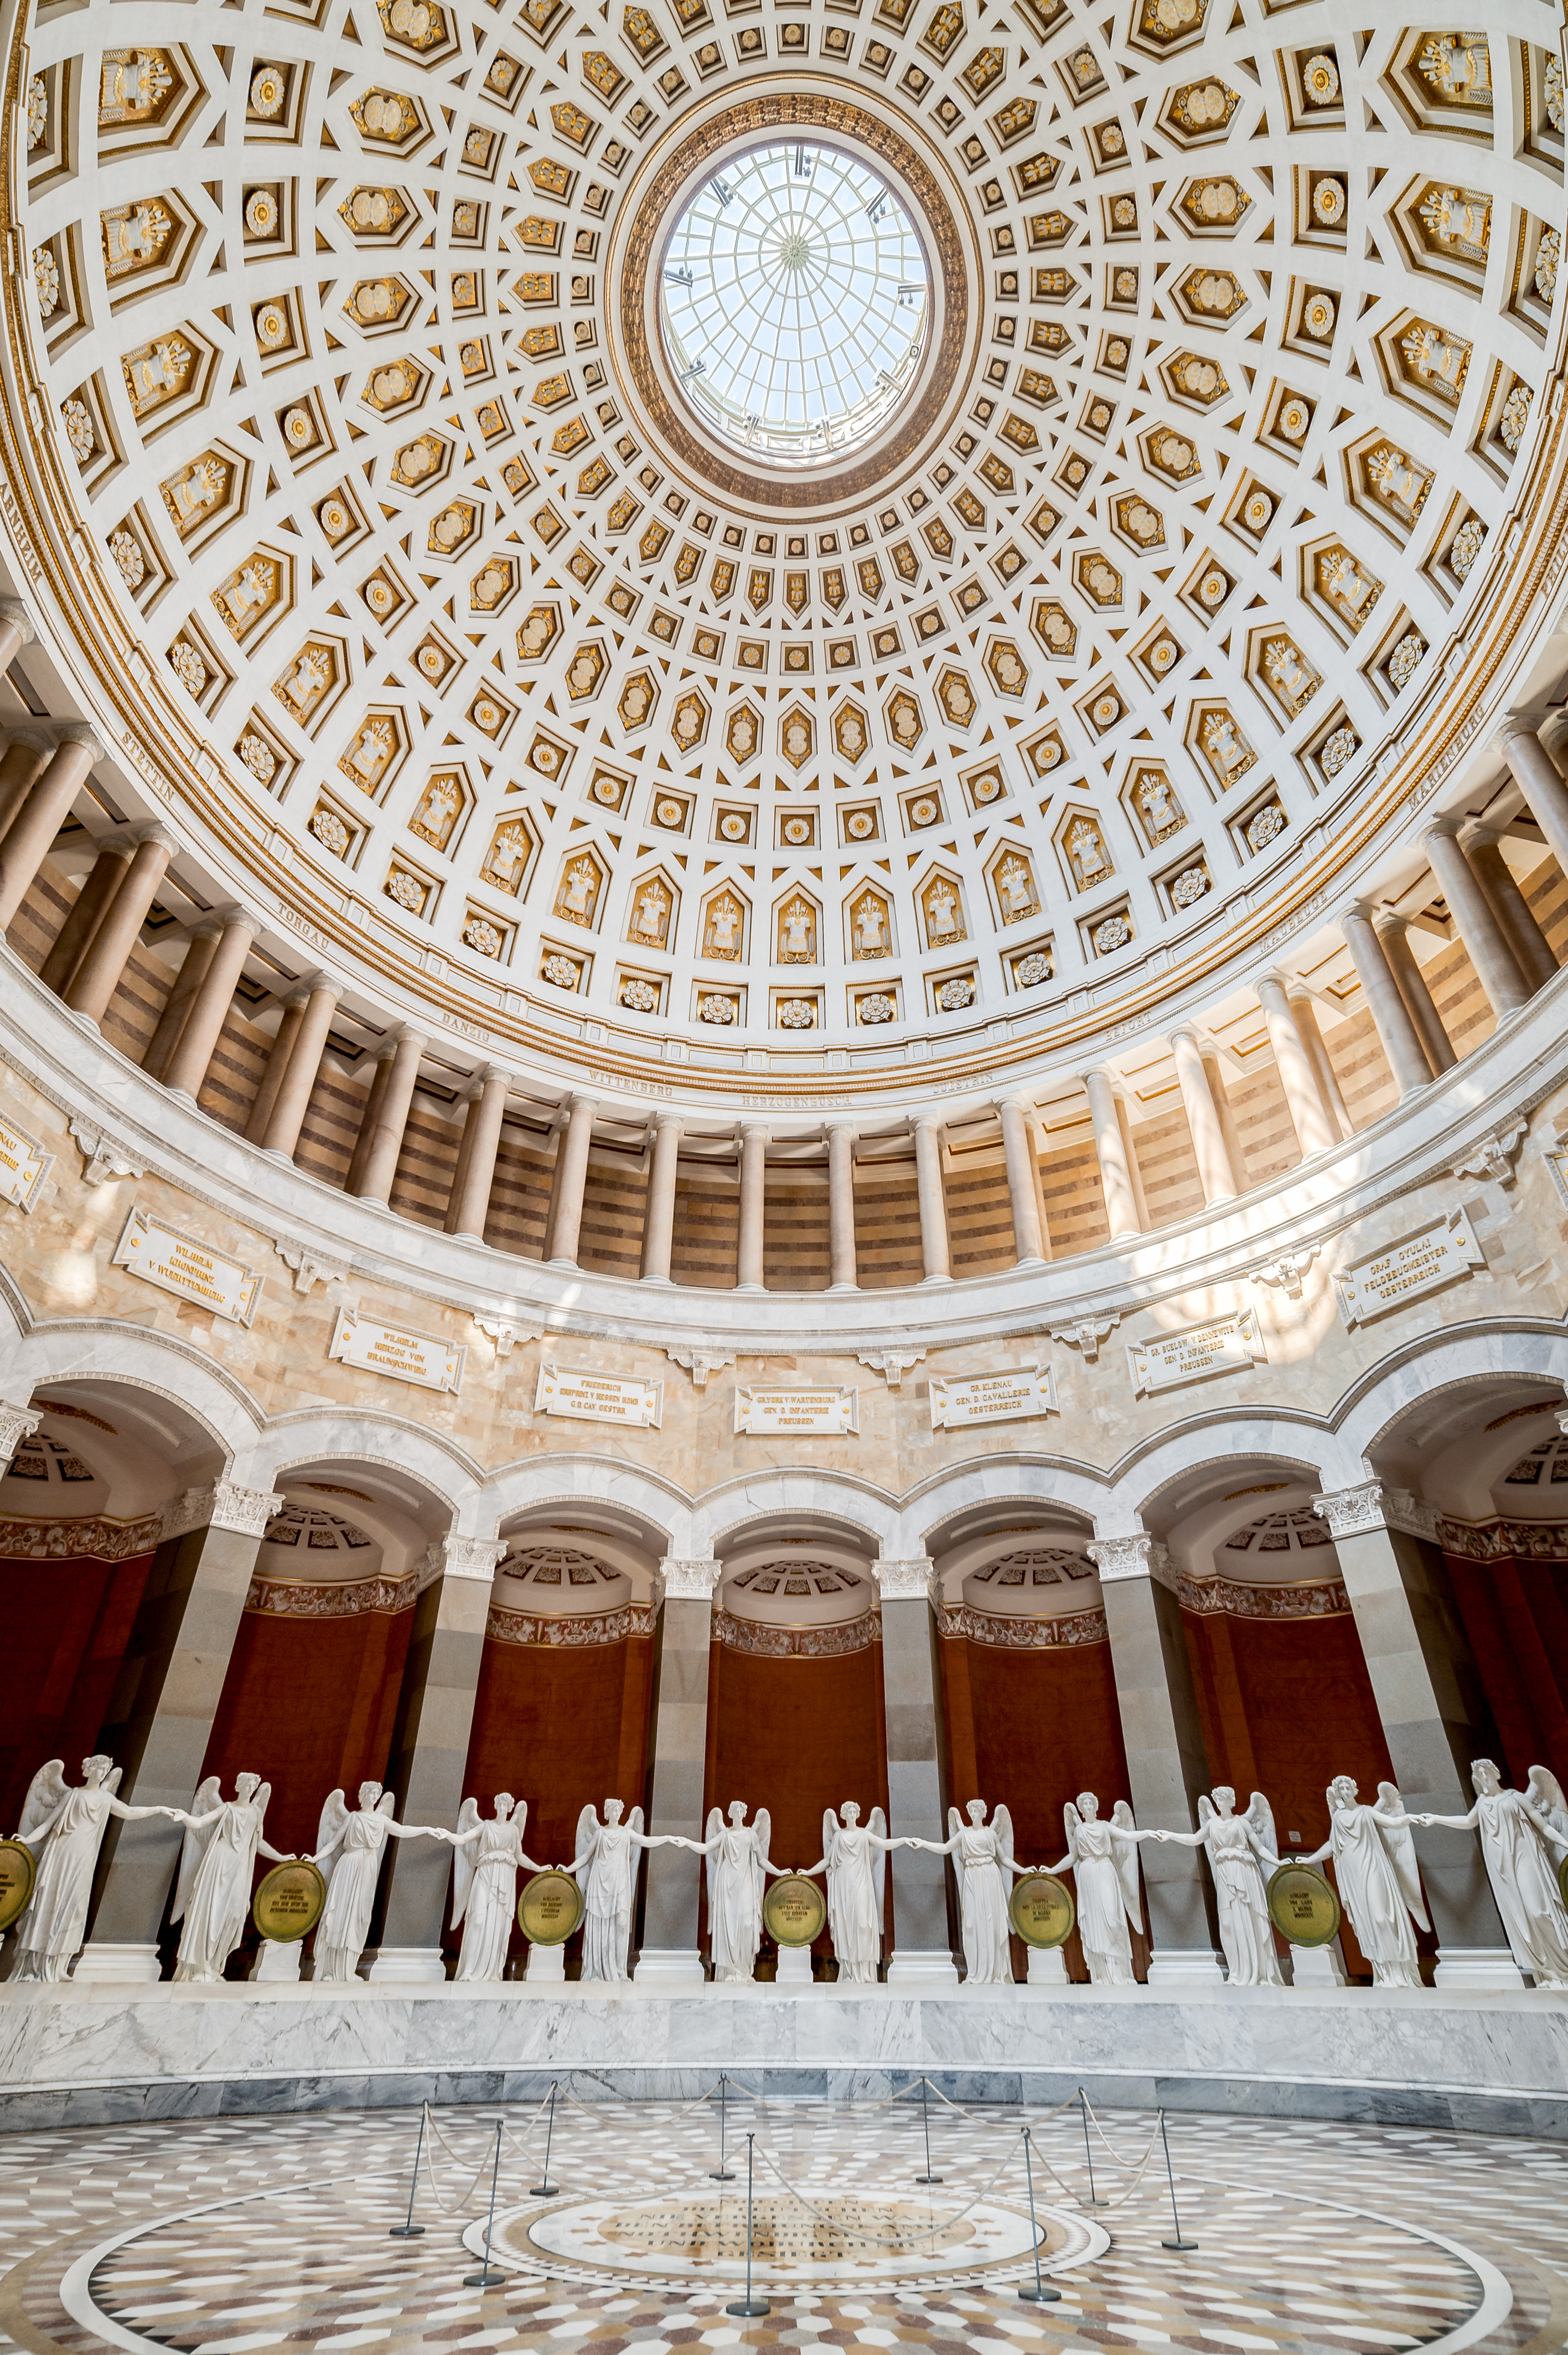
{"x": 1093, "y": 2201}
{"x": 750, "y": 2307}
{"x": 925, "y": 2121}
{"x": 721, "y": 2173}
{"x": 1042, "y": 2294}
{"x": 547, "y": 2191}
{"x": 489, "y": 2277}
{"x": 1175, "y": 2216}
{"x": 410, "y": 2230}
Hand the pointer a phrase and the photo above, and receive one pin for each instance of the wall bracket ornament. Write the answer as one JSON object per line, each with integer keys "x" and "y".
{"x": 102, "y": 1159}
{"x": 1287, "y": 1270}
{"x": 1087, "y": 1333}
{"x": 506, "y": 1333}
{"x": 701, "y": 1363}
{"x": 310, "y": 1267}
{"x": 892, "y": 1364}
{"x": 1495, "y": 1155}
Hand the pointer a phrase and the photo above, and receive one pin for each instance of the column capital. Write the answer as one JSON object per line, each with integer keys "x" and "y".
{"x": 1139, "y": 1556}
{"x": 1350, "y": 1512}
{"x": 158, "y": 833}
{"x": 1389, "y": 919}
{"x": 1476, "y": 835}
{"x": 912, "y": 1580}
{"x": 77, "y": 732}
{"x": 746, "y": 1129}
{"x": 1444, "y": 828}
{"x": 12, "y": 610}
{"x": 919, "y": 1120}
{"x": 477, "y": 1558}
{"x": 33, "y": 739}
{"x": 667, "y": 1119}
{"x": 1025, "y": 1098}
{"x": 690, "y": 1578}
{"x": 1520, "y": 723}
{"x": 1273, "y": 979}
{"x": 1104, "y": 1073}
{"x": 245, "y": 1512}
{"x": 406, "y": 1036}
{"x": 17, "y": 1424}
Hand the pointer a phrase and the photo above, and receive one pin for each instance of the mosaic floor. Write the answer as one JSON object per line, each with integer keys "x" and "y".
{"x": 219, "y": 2237}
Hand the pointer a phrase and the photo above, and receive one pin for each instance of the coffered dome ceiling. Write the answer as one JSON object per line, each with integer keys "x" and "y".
{"x": 363, "y": 444}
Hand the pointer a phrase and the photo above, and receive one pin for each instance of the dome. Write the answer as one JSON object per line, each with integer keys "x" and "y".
{"x": 1105, "y": 572}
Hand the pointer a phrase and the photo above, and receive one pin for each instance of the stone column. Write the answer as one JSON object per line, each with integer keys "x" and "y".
{"x": 1202, "y": 1119}
{"x": 1394, "y": 930}
{"x": 33, "y": 829}
{"x": 97, "y": 974}
{"x": 1129, "y": 1152}
{"x": 1166, "y": 1763}
{"x": 933, "y": 1249}
{"x": 1391, "y": 1016}
{"x": 387, "y": 1123}
{"x": 161, "y": 1710}
{"x": 85, "y": 913}
{"x": 844, "y": 1268}
{"x": 1527, "y": 943}
{"x": 670, "y": 1958}
{"x": 272, "y": 1079}
{"x": 1017, "y": 1116}
{"x": 1535, "y": 773}
{"x": 571, "y": 1176}
{"x": 194, "y": 967}
{"x": 292, "y": 1098}
{"x": 659, "y": 1214}
{"x": 1433, "y": 1711}
{"x": 754, "y": 1141}
{"x": 16, "y": 630}
{"x": 922, "y": 1955}
{"x": 1110, "y": 1147}
{"x": 1303, "y": 1006}
{"x": 1313, "y": 1132}
{"x": 475, "y": 1173}
{"x": 429, "y": 1754}
{"x": 214, "y": 994}
{"x": 20, "y": 766}
{"x": 1488, "y": 951}
{"x": 370, "y": 1114}
{"x": 1220, "y": 1095}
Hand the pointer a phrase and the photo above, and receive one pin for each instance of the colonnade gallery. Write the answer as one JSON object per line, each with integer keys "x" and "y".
{"x": 783, "y": 1105}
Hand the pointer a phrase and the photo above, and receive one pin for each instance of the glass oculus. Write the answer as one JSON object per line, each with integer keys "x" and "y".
{"x": 794, "y": 302}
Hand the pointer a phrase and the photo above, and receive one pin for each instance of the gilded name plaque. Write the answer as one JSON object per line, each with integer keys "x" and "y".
{"x": 181, "y": 1264}
{"x": 288, "y": 1905}
{"x": 1042, "y": 1910}
{"x": 549, "y": 1908}
{"x": 17, "y": 1874}
{"x": 1302, "y": 1905}
{"x": 23, "y": 1165}
{"x": 1435, "y": 1254}
{"x": 1225, "y": 1345}
{"x": 794, "y": 1911}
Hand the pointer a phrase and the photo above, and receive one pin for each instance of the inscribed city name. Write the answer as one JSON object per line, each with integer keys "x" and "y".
{"x": 1022, "y": 1391}
{"x": 1433, "y": 1255}
{"x": 23, "y": 1165}
{"x": 798, "y": 1413}
{"x": 599, "y": 1398}
{"x": 178, "y": 1264}
{"x": 1225, "y": 1345}
{"x": 423, "y": 1359}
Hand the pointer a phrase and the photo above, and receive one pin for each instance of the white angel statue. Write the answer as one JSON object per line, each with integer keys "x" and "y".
{"x": 738, "y": 1865}
{"x": 1103, "y": 1859}
{"x": 857, "y": 1881}
{"x": 1544, "y": 1793}
{"x": 1517, "y": 1836}
{"x": 985, "y": 1861}
{"x": 218, "y": 1862}
{"x": 607, "y": 1853}
{"x": 484, "y": 1883}
{"x": 357, "y": 1837}
{"x": 1379, "y": 1881}
{"x": 1238, "y": 1847}
{"x": 68, "y": 1822}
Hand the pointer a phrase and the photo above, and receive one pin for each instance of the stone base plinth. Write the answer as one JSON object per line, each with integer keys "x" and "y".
{"x": 95, "y": 2053}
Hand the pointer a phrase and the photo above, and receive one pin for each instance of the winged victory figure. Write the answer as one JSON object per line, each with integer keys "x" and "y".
{"x": 218, "y": 1863}
{"x": 1238, "y": 1849}
{"x": 1103, "y": 1859}
{"x": 984, "y": 1853}
{"x": 1379, "y": 1881}
{"x": 486, "y": 1853}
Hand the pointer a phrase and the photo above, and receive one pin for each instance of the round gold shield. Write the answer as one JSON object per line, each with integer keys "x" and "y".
{"x": 17, "y": 1874}
{"x": 549, "y": 1908}
{"x": 794, "y": 1911}
{"x": 288, "y": 1905}
{"x": 1302, "y": 1905}
{"x": 1041, "y": 1909}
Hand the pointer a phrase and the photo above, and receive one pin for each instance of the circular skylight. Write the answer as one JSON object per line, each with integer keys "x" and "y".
{"x": 794, "y": 302}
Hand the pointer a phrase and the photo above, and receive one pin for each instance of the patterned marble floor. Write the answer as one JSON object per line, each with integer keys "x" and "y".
{"x": 253, "y": 2233}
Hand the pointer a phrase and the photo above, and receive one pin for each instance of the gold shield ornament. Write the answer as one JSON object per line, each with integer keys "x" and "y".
{"x": 288, "y": 1905}
{"x": 1042, "y": 1910}
{"x": 549, "y": 1908}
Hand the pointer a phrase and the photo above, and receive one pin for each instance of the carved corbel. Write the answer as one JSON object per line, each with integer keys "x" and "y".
{"x": 1087, "y": 1333}
{"x": 892, "y": 1364}
{"x": 102, "y": 1159}
{"x": 701, "y": 1363}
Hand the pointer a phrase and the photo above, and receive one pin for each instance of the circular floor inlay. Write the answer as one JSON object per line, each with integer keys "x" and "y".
{"x": 827, "y": 2241}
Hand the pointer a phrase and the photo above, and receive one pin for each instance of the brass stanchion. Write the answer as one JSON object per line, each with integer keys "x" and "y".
{"x": 1175, "y": 2214}
{"x": 925, "y": 2121}
{"x": 489, "y": 2277}
{"x": 547, "y": 2191}
{"x": 408, "y": 2229}
{"x": 1042, "y": 2294}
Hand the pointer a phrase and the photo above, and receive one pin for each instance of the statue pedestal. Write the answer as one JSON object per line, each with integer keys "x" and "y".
{"x": 1047, "y": 1967}
{"x": 1318, "y": 1966}
{"x": 98, "y": 1962}
{"x": 546, "y": 1966}
{"x": 1179, "y": 1967}
{"x": 671, "y": 1970}
{"x": 278, "y": 1963}
{"x": 403, "y": 1965}
{"x": 794, "y": 1970}
{"x": 923, "y": 1972}
{"x": 1475, "y": 1967}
